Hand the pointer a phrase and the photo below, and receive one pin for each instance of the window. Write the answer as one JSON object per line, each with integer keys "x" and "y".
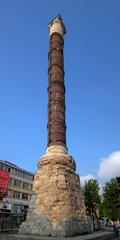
{"x": 17, "y": 183}
{"x": 28, "y": 176}
{"x": 1, "y": 166}
{"x": 25, "y": 196}
{"x": 7, "y": 168}
{"x": 16, "y": 194}
{"x": 9, "y": 193}
{"x": 9, "y": 181}
{"x": 25, "y": 185}
{"x": 12, "y": 170}
{"x": 18, "y": 172}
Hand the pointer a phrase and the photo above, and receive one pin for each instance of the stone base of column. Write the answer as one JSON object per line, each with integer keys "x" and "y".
{"x": 57, "y": 207}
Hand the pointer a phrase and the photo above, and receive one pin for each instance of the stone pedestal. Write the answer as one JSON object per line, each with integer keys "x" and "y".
{"x": 57, "y": 206}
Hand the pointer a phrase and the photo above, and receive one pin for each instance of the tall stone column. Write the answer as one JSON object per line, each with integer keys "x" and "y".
{"x": 57, "y": 206}
{"x": 56, "y": 88}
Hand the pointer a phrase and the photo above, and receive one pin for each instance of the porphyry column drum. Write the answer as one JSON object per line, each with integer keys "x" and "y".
{"x": 56, "y": 92}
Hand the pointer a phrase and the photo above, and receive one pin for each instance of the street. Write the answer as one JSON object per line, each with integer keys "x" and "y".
{"x": 4, "y": 236}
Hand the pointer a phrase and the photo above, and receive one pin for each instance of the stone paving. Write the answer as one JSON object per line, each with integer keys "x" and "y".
{"x": 4, "y": 236}
{"x": 93, "y": 236}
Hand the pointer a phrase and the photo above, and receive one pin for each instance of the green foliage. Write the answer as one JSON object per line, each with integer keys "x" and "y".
{"x": 92, "y": 198}
{"x": 103, "y": 211}
{"x": 111, "y": 201}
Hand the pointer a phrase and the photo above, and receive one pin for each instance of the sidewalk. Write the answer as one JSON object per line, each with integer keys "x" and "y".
{"x": 92, "y": 236}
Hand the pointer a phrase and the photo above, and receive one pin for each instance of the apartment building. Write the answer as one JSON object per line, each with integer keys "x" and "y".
{"x": 20, "y": 183}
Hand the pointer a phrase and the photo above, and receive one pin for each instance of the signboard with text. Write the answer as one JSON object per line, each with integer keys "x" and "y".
{"x": 3, "y": 183}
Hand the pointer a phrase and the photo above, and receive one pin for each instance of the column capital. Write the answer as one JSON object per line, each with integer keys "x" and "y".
{"x": 57, "y": 25}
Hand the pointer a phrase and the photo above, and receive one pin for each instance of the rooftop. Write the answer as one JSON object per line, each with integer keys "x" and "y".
{"x": 15, "y": 166}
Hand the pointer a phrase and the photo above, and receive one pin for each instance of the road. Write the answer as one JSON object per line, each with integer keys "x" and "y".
{"x": 3, "y": 236}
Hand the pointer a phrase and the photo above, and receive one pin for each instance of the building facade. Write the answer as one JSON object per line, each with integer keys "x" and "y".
{"x": 19, "y": 191}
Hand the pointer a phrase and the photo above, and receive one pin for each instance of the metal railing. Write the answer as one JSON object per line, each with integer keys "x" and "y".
{"x": 11, "y": 220}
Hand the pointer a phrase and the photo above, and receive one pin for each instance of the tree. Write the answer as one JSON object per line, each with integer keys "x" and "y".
{"x": 111, "y": 201}
{"x": 92, "y": 198}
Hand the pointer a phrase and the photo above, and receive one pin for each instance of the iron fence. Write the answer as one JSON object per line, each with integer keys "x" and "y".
{"x": 11, "y": 220}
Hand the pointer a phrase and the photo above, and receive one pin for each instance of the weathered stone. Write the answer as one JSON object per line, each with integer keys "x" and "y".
{"x": 57, "y": 207}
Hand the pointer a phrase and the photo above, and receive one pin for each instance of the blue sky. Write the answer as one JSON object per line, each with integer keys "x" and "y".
{"x": 92, "y": 79}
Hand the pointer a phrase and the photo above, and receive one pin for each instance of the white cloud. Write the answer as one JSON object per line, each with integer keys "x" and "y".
{"x": 100, "y": 188}
{"x": 86, "y": 178}
{"x": 110, "y": 166}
